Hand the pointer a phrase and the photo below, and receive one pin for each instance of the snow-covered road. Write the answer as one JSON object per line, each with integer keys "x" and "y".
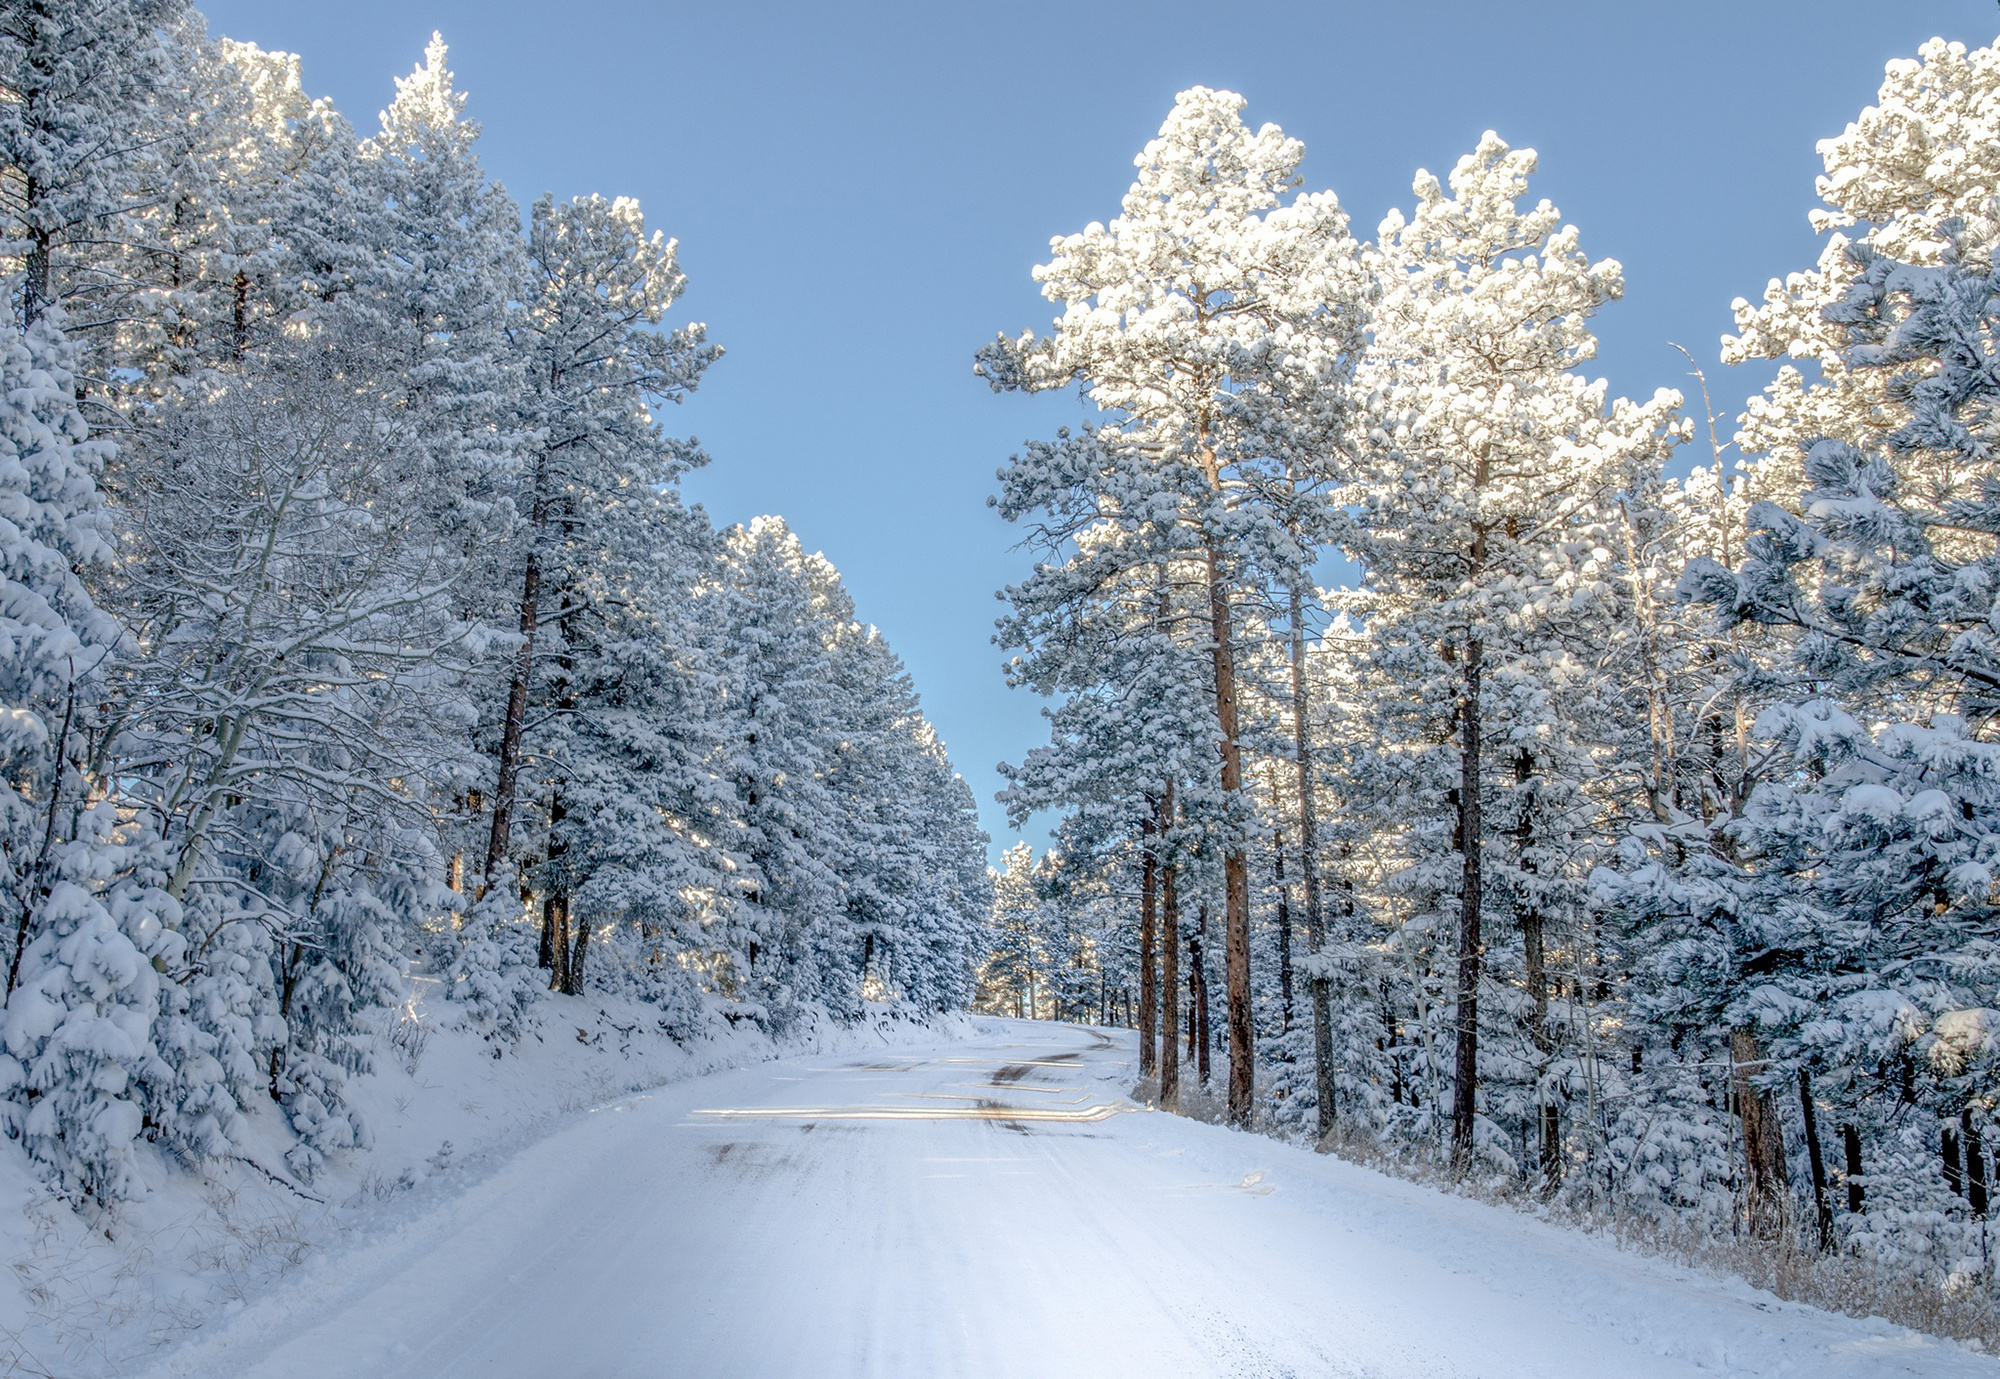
{"x": 994, "y": 1207}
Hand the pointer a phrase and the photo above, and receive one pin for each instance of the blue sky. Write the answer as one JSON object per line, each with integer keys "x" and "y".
{"x": 860, "y": 192}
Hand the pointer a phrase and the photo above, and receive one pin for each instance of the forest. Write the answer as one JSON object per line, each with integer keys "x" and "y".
{"x": 1619, "y": 829}
{"x": 356, "y": 644}
{"x": 1576, "y": 802}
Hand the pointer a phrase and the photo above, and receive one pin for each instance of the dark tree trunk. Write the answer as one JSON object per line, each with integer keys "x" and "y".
{"x": 1552, "y": 1147}
{"x": 1170, "y": 977}
{"x": 1284, "y": 930}
{"x": 555, "y": 938}
{"x": 507, "y": 774}
{"x": 288, "y": 984}
{"x": 1822, "y": 1203}
{"x": 555, "y": 910}
{"x": 1194, "y": 1011}
{"x": 1536, "y": 973}
{"x": 1465, "y": 1090}
{"x": 1975, "y": 1163}
{"x": 38, "y": 268}
{"x": 1317, "y": 984}
{"x": 1857, "y": 1195}
{"x": 1198, "y": 1025}
{"x": 573, "y": 972}
{"x": 239, "y": 333}
{"x": 1954, "y": 1174}
{"x": 1149, "y": 866}
{"x": 1763, "y": 1141}
{"x": 547, "y": 956}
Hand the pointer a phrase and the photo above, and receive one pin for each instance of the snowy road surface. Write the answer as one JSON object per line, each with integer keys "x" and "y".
{"x": 994, "y": 1207}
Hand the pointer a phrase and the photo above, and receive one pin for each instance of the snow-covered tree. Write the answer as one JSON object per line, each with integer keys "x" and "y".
{"x": 598, "y": 287}
{"x": 83, "y": 120}
{"x": 1211, "y": 321}
{"x": 1483, "y": 521}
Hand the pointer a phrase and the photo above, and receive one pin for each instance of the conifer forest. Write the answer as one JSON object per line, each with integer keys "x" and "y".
{"x": 1513, "y": 844}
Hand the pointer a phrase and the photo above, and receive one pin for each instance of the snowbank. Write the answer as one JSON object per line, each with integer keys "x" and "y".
{"x": 92, "y": 1295}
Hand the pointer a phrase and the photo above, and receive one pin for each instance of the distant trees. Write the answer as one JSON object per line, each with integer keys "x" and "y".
{"x": 355, "y": 630}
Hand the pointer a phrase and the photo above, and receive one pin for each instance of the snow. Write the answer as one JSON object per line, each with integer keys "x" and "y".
{"x": 985, "y": 1202}
{"x": 444, "y": 1115}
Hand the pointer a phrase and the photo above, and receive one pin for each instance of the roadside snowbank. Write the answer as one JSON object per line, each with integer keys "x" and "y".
{"x": 92, "y": 1296}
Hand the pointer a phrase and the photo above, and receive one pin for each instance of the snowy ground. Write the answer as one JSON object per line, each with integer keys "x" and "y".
{"x": 991, "y": 1207}
{"x": 445, "y": 1115}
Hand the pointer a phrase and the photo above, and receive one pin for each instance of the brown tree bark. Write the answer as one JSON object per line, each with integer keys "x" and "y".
{"x": 1763, "y": 1141}
{"x": 1235, "y": 865}
{"x": 555, "y": 940}
{"x": 1317, "y": 985}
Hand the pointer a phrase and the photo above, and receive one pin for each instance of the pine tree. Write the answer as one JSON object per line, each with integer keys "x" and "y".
{"x": 598, "y": 284}
{"x": 1492, "y": 467}
{"x": 1244, "y": 304}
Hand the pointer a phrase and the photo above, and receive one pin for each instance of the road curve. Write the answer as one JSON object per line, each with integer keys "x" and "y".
{"x": 994, "y": 1208}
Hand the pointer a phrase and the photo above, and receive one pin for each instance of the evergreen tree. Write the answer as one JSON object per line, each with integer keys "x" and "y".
{"x": 1210, "y": 321}
{"x": 1492, "y": 473}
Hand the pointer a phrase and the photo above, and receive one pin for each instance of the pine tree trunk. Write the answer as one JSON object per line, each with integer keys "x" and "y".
{"x": 1535, "y": 972}
{"x": 239, "y": 330}
{"x": 1975, "y": 1164}
{"x": 1198, "y": 1025}
{"x": 1235, "y": 866}
{"x": 1284, "y": 929}
{"x": 1317, "y": 984}
{"x": 573, "y": 973}
{"x": 1763, "y": 1142}
{"x": 1170, "y": 977}
{"x": 1465, "y": 1088}
{"x": 1148, "y": 906}
{"x": 1822, "y": 1204}
{"x": 1954, "y": 1173}
{"x": 38, "y": 266}
{"x": 1192, "y": 1034}
{"x": 1857, "y": 1195}
{"x": 555, "y": 928}
{"x": 507, "y": 774}
{"x": 555, "y": 920}
{"x": 547, "y": 955}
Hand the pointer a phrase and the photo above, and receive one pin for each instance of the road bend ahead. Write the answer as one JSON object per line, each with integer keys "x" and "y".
{"x": 995, "y": 1207}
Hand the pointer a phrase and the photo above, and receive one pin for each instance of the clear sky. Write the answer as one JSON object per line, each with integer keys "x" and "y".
{"x": 860, "y": 191}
